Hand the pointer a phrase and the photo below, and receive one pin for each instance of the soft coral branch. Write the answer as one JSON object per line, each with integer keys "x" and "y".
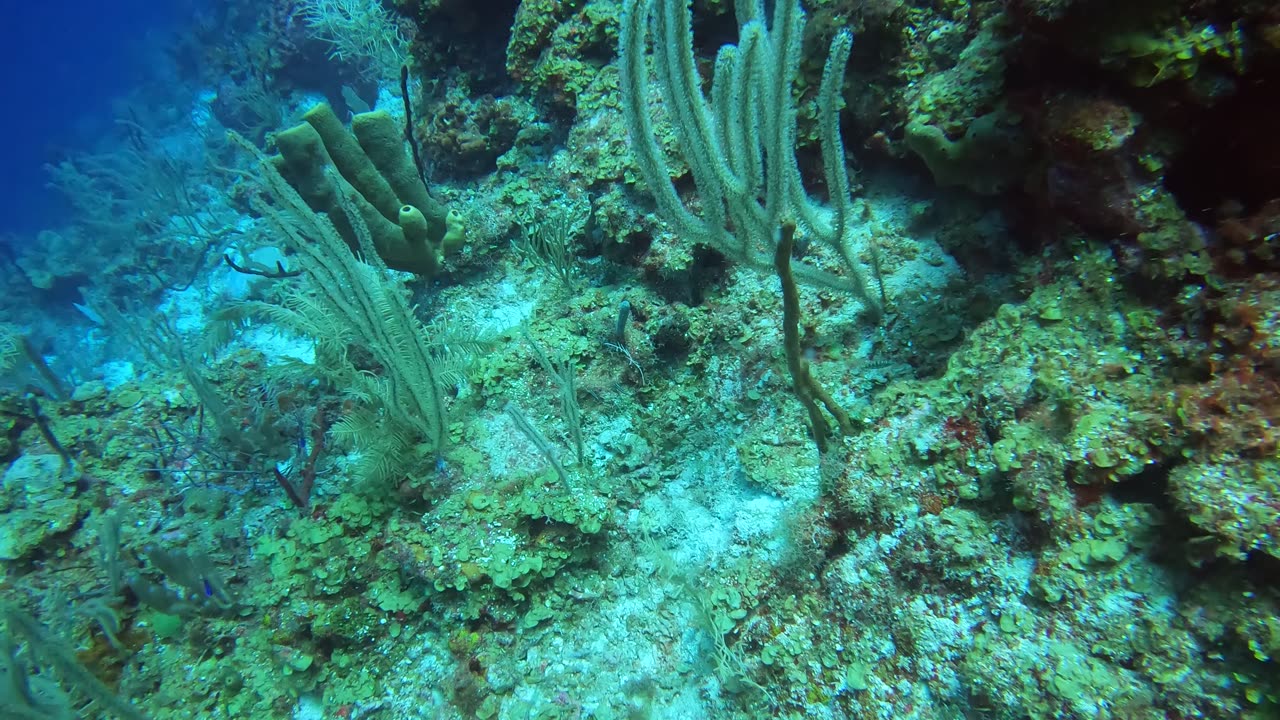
{"x": 300, "y": 492}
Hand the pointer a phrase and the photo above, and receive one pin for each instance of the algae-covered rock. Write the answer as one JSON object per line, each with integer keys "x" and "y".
{"x": 1235, "y": 502}
{"x": 37, "y": 499}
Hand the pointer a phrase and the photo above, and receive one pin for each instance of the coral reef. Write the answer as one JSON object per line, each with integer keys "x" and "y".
{"x": 276, "y": 443}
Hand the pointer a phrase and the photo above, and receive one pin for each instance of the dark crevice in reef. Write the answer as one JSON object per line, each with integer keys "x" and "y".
{"x": 1232, "y": 156}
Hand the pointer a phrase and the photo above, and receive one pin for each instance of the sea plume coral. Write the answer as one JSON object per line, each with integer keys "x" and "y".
{"x": 359, "y": 31}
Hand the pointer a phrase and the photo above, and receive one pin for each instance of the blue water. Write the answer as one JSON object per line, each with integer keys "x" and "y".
{"x": 66, "y": 63}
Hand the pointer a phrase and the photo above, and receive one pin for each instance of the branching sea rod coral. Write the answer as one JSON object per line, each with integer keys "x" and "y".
{"x": 740, "y": 142}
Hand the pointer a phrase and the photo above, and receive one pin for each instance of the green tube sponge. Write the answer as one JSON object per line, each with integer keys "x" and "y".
{"x": 302, "y": 161}
{"x": 388, "y": 238}
{"x": 303, "y": 155}
{"x": 352, "y": 162}
{"x": 455, "y": 233}
{"x": 382, "y": 140}
{"x": 417, "y": 236}
{"x": 374, "y": 180}
{"x": 414, "y": 224}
